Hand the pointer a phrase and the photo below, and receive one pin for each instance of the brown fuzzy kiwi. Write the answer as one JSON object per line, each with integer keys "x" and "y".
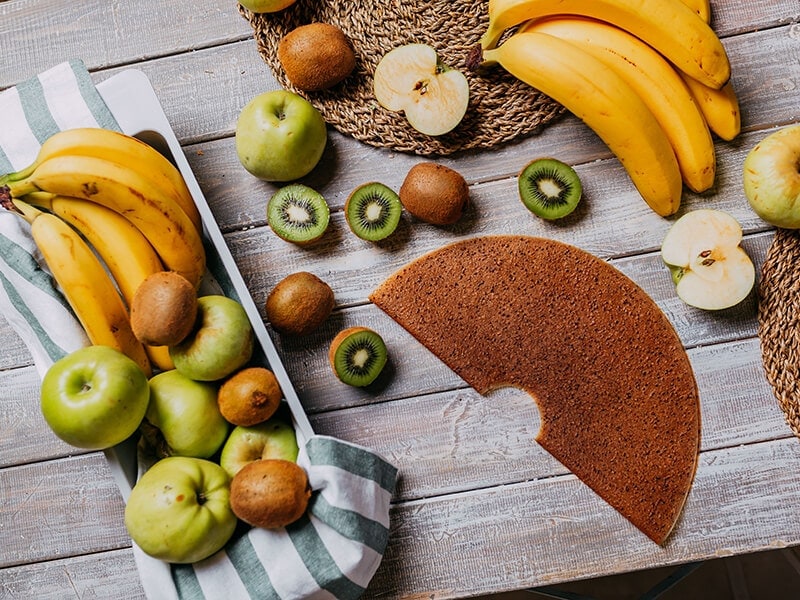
{"x": 299, "y": 303}
{"x": 316, "y": 56}
{"x": 270, "y": 493}
{"x": 163, "y": 309}
{"x": 434, "y": 193}
{"x": 249, "y": 396}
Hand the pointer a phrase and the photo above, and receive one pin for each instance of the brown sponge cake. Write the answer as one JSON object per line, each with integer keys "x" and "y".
{"x": 616, "y": 393}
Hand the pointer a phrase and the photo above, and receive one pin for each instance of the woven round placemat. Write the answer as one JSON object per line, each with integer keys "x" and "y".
{"x": 501, "y": 107}
{"x": 779, "y": 322}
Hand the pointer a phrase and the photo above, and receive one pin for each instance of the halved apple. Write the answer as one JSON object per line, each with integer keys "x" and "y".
{"x": 709, "y": 268}
{"x": 411, "y": 78}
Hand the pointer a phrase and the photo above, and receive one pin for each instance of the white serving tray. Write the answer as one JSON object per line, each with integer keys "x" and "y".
{"x": 132, "y": 100}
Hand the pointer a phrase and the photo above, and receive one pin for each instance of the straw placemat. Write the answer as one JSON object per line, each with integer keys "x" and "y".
{"x": 501, "y": 107}
{"x": 779, "y": 322}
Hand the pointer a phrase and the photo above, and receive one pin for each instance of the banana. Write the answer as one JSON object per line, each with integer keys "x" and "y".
{"x": 124, "y": 149}
{"x": 85, "y": 283}
{"x": 670, "y": 26}
{"x": 594, "y": 93}
{"x": 127, "y": 254}
{"x": 719, "y": 107}
{"x": 150, "y": 209}
{"x": 655, "y": 81}
{"x": 701, "y": 7}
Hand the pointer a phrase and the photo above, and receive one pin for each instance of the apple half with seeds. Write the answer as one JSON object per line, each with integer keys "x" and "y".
{"x": 412, "y": 79}
{"x": 709, "y": 268}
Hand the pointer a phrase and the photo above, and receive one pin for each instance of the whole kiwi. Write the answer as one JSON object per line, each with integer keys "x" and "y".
{"x": 249, "y": 396}
{"x": 163, "y": 309}
{"x": 299, "y": 304}
{"x": 434, "y": 193}
{"x": 270, "y": 493}
{"x": 316, "y": 56}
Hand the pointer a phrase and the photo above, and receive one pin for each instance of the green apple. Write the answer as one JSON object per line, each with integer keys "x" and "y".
{"x": 179, "y": 510}
{"x": 183, "y": 417}
{"x": 221, "y": 342}
{"x": 266, "y": 6}
{"x": 709, "y": 268}
{"x": 280, "y": 136}
{"x": 274, "y": 438}
{"x": 94, "y": 397}
{"x": 772, "y": 178}
{"x": 411, "y": 78}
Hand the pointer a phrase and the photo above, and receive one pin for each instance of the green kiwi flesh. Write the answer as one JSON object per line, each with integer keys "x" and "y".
{"x": 297, "y": 213}
{"x": 549, "y": 188}
{"x": 373, "y": 211}
{"x": 358, "y": 355}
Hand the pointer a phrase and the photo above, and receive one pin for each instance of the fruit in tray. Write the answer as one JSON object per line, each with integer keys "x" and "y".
{"x": 709, "y": 267}
{"x": 298, "y": 214}
{"x": 316, "y": 56}
{"x": 659, "y": 86}
{"x": 373, "y": 211}
{"x": 270, "y": 493}
{"x": 179, "y": 511}
{"x": 411, "y": 78}
{"x": 221, "y": 342}
{"x": 249, "y": 396}
{"x": 299, "y": 303}
{"x": 549, "y": 188}
{"x": 274, "y": 438}
{"x": 163, "y": 309}
{"x": 280, "y": 136}
{"x": 434, "y": 193}
{"x": 357, "y": 356}
{"x": 94, "y": 397}
{"x": 772, "y": 178}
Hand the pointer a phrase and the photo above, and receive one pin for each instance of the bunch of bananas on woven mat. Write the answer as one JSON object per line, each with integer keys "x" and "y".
{"x": 106, "y": 211}
{"x": 651, "y": 78}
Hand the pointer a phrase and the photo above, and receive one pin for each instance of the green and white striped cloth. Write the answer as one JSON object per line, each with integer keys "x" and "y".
{"x": 335, "y": 549}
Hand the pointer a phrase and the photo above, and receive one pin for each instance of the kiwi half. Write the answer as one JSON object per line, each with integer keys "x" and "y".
{"x": 357, "y": 356}
{"x": 549, "y": 188}
{"x": 297, "y": 213}
{"x": 373, "y": 211}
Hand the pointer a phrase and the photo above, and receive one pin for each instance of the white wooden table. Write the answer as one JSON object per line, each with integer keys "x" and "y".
{"x": 480, "y": 508}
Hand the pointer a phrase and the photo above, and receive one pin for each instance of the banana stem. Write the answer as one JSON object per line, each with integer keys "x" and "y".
{"x": 25, "y": 210}
{"x": 21, "y": 187}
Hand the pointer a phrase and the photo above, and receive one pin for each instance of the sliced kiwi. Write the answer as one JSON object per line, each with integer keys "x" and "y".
{"x": 297, "y": 213}
{"x": 357, "y": 356}
{"x": 373, "y": 211}
{"x": 549, "y": 188}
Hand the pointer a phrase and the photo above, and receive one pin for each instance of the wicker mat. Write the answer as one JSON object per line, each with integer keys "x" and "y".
{"x": 501, "y": 107}
{"x": 779, "y": 322}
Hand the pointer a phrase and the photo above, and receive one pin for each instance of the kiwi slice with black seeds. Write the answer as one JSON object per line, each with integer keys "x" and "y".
{"x": 373, "y": 211}
{"x": 297, "y": 213}
{"x": 357, "y": 356}
{"x": 549, "y": 188}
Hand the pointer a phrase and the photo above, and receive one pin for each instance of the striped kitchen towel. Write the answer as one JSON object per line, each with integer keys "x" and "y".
{"x": 335, "y": 549}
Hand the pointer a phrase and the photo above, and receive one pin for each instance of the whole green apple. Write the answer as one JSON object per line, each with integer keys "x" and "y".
{"x": 266, "y": 6}
{"x": 274, "y": 438}
{"x": 183, "y": 417}
{"x": 94, "y": 397}
{"x": 179, "y": 510}
{"x": 772, "y": 179}
{"x": 221, "y": 342}
{"x": 280, "y": 136}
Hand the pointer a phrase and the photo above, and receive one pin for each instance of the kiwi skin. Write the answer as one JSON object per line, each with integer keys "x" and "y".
{"x": 341, "y": 338}
{"x": 299, "y": 304}
{"x": 270, "y": 493}
{"x": 434, "y": 193}
{"x": 316, "y": 56}
{"x": 163, "y": 309}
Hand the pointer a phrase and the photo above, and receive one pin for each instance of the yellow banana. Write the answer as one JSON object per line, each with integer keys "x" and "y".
{"x": 85, "y": 283}
{"x": 594, "y": 93}
{"x": 669, "y": 26}
{"x": 150, "y": 209}
{"x": 124, "y": 149}
{"x": 127, "y": 254}
{"x": 655, "y": 81}
{"x": 701, "y": 7}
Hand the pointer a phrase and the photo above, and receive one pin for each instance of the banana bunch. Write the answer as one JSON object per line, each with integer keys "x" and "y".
{"x": 652, "y": 80}
{"x": 107, "y": 211}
